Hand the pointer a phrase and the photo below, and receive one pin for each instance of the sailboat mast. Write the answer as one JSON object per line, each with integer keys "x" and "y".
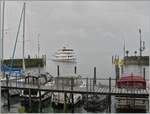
{"x": 23, "y": 46}
{"x": 3, "y": 15}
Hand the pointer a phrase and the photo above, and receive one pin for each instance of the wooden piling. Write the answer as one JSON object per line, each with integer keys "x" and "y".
{"x": 65, "y": 102}
{"x": 75, "y": 70}
{"x": 29, "y": 97}
{"x": 72, "y": 96}
{"x": 40, "y": 97}
{"x": 117, "y": 72}
{"x": 40, "y": 102}
{"x": 122, "y": 70}
{"x": 8, "y": 95}
{"x": 87, "y": 91}
{"x": 144, "y": 73}
{"x": 94, "y": 81}
{"x": 109, "y": 95}
{"x": 58, "y": 73}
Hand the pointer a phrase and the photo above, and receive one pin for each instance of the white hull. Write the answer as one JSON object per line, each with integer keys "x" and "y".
{"x": 64, "y": 60}
{"x": 123, "y": 103}
{"x": 58, "y": 98}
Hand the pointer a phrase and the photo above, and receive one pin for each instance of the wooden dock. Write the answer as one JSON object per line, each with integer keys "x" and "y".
{"x": 89, "y": 89}
{"x": 110, "y": 89}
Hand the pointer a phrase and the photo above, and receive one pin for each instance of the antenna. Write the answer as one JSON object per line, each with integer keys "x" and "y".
{"x": 38, "y": 45}
{"x": 124, "y": 49}
{"x": 140, "y": 43}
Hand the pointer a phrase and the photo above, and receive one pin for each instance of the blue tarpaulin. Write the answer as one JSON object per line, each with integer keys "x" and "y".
{"x": 11, "y": 70}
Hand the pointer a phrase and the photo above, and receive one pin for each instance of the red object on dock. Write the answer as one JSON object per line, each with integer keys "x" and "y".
{"x": 131, "y": 81}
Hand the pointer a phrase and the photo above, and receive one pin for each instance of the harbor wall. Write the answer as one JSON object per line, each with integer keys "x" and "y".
{"x": 29, "y": 62}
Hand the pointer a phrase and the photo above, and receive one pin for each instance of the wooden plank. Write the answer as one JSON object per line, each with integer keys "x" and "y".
{"x": 103, "y": 89}
{"x": 116, "y": 91}
{"x": 112, "y": 90}
{"x": 100, "y": 90}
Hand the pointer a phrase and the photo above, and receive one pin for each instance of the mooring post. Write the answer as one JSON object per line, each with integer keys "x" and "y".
{"x": 30, "y": 98}
{"x": 8, "y": 95}
{"x": 109, "y": 95}
{"x": 144, "y": 73}
{"x": 58, "y": 73}
{"x": 94, "y": 80}
{"x": 40, "y": 103}
{"x": 72, "y": 96}
{"x": 90, "y": 84}
{"x": 122, "y": 69}
{"x": 87, "y": 92}
{"x": 39, "y": 67}
{"x": 65, "y": 103}
{"x": 75, "y": 70}
{"x": 117, "y": 72}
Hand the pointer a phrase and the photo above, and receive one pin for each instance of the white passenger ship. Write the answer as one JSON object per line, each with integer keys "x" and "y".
{"x": 64, "y": 55}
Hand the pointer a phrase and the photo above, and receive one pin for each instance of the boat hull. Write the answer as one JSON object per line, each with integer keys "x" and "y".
{"x": 65, "y": 60}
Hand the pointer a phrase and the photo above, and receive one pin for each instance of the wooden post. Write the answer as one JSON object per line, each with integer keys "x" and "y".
{"x": 109, "y": 95}
{"x": 94, "y": 79}
{"x": 117, "y": 72}
{"x": 8, "y": 95}
{"x": 122, "y": 69}
{"x": 65, "y": 103}
{"x": 144, "y": 73}
{"x": 40, "y": 103}
{"x": 87, "y": 92}
{"x": 40, "y": 100}
{"x": 58, "y": 73}
{"x": 39, "y": 67}
{"x": 75, "y": 70}
{"x": 29, "y": 97}
{"x": 72, "y": 96}
{"x": 90, "y": 85}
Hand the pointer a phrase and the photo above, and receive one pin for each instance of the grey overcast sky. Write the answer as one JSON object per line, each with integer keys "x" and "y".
{"x": 81, "y": 25}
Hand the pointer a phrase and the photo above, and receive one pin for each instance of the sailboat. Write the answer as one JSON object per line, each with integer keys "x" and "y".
{"x": 13, "y": 73}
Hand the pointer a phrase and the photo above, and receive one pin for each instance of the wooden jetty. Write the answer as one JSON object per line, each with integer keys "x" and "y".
{"x": 104, "y": 90}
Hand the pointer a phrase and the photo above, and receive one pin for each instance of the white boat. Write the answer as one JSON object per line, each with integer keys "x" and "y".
{"x": 64, "y": 81}
{"x": 64, "y": 55}
{"x": 43, "y": 79}
{"x": 131, "y": 104}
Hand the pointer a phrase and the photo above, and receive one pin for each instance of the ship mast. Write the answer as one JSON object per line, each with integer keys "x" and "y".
{"x": 140, "y": 43}
{"x": 2, "y": 14}
{"x": 23, "y": 46}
